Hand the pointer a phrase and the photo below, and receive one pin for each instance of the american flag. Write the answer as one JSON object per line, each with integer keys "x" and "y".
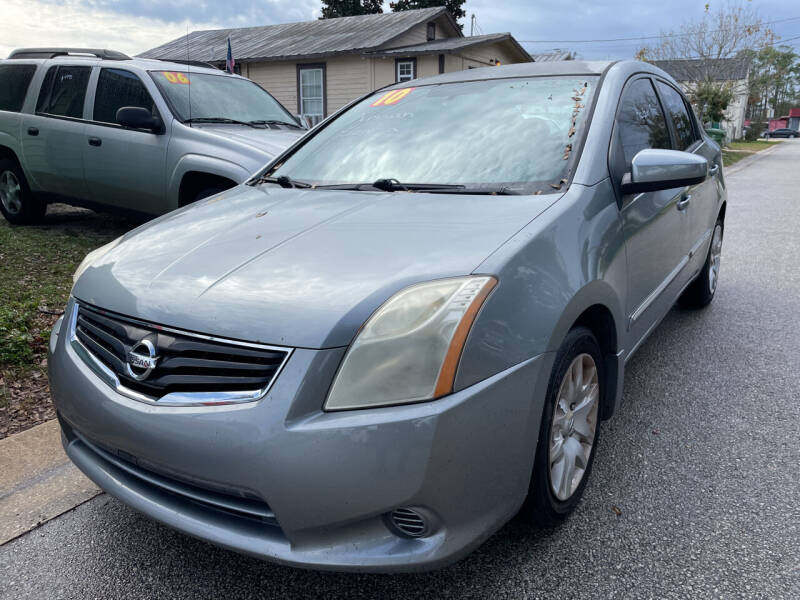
{"x": 229, "y": 62}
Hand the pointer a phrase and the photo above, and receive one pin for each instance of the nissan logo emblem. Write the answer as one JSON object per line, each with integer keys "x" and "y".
{"x": 142, "y": 360}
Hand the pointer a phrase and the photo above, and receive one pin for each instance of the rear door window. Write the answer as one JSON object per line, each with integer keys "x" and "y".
{"x": 640, "y": 120}
{"x": 676, "y": 111}
{"x": 117, "y": 88}
{"x": 14, "y": 82}
{"x": 63, "y": 91}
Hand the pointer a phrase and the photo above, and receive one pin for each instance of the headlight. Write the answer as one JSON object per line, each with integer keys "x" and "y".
{"x": 408, "y": 351}
{"x": 93, "y": 257}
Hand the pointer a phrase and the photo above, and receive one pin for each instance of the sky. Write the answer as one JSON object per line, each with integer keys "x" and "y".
{"x": 132, "y": 26}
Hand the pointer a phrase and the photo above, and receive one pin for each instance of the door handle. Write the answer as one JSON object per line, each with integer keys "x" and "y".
{"x": 713, "y": 170}
{"x": 684, "y": 201}
{"x": 94, "y": 141}
{"x": 33, "y": 131}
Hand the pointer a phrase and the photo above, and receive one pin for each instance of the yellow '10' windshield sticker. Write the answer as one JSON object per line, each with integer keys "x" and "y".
{"x": 392, "y": 97}
{"x": 175, "y": 77}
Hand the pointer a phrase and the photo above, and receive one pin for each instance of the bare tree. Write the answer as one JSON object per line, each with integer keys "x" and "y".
{"x": 731, "y": 30}
{"x": 721, "y": 33}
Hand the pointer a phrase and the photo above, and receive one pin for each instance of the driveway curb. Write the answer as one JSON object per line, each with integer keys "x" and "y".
{"x": 37, "y": 480}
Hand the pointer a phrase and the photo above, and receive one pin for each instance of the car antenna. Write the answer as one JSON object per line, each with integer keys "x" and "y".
{"x": 188, "y": 74}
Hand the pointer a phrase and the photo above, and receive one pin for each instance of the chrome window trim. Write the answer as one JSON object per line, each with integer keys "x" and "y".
{"x": 193, "y": 399}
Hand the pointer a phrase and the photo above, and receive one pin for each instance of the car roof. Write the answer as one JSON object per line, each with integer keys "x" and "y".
{"x": 530, "y": 69}
{"x": 542, "y": 69}
{"x": 142, "y": 63}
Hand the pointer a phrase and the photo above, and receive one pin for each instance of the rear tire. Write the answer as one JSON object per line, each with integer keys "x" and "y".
{"x": 17, "y": 203}
{"x": 569, "y": 431}
{"x": 701, "y": 291}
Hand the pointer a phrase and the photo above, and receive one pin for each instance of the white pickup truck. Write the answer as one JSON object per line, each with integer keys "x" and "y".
{"x": 97, "y": 128}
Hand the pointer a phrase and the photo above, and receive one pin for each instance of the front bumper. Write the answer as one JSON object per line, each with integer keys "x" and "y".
{"x": 328, "y": 479}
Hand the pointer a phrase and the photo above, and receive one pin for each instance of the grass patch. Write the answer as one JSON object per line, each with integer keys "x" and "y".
{"x": 754, "y": 146}
{"x": 736, "y": 151}
{"x": 36, "y": 267}
{"x": 729, "y": 158}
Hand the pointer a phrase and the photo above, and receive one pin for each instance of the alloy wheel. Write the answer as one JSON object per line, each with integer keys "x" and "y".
{"x": 572, "y": 430}
{"x": 715, "y": 257}
{"x": 10, "y": 192}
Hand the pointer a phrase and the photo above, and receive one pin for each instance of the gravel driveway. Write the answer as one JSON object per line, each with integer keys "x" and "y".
{"x": 695, "y": 490}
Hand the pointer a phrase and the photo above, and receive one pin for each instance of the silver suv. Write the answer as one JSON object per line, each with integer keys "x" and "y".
{"x": 100, "y": 129}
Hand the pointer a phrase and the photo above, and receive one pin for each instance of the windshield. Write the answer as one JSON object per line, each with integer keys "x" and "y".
{"x": 218, "y": 96}
{"x": 480, "y": 133}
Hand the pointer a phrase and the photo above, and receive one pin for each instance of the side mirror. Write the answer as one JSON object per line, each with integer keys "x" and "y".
{"x": 653, "y": 170}
{"x": 137, "y": 117}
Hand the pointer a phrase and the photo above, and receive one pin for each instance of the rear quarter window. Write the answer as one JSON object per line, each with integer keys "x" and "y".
{"x": 14, "y": 83}
{"x": 677, "y": 113}
{"x": 63, "y": 91}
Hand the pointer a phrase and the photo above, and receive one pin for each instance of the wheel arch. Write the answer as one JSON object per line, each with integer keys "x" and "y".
{"x": 190, "y": 164}
{"x": 193, "y": 182}
{"x": 597, "y": 307}
{"x": 6, "y": 152}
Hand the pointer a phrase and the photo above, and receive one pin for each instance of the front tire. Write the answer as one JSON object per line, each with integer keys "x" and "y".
{"x": 701, "y": 291}
{"x": 17, "y": 203}
{"x": 569, "y": 431}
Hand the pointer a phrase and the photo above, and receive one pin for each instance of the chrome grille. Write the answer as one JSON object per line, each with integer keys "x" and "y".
{"x": 190, "y": 368}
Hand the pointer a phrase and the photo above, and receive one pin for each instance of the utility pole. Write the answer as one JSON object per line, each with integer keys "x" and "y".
{"x": 472, "y": 25}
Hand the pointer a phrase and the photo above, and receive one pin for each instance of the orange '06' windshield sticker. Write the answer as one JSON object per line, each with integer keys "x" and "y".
{"x": 176, "y": 77}
{"x": 392, "y": 97}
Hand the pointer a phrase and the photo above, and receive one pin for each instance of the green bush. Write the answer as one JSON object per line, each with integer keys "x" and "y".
{"x": 755, "y": 129}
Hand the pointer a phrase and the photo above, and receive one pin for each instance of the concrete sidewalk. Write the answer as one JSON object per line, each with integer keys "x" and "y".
{"x": 37, "y": 480}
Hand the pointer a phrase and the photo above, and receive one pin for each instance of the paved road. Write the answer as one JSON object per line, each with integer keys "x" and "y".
{"x": 701, "y": 460}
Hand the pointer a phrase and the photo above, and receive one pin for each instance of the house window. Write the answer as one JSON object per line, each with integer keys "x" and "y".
{"x": 311, "y": 92}
{"x": 406, "y": 69}
{"x": 431, "y": 31}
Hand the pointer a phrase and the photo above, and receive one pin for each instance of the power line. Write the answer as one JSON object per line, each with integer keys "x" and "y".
{"x": 647, "y": 37}
{"x": 797, "y": 37}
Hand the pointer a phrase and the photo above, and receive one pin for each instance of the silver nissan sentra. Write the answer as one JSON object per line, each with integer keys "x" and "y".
{"x": 405, "y": 329}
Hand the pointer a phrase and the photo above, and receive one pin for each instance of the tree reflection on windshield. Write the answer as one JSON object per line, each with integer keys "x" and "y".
{"x": 516, "y": 132}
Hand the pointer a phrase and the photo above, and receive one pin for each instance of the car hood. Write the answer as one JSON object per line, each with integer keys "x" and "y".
{"x": 270, "y": 141}
{"x": 299, "y": 268}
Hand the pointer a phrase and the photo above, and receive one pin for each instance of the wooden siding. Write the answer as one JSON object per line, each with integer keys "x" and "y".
{"x": 349, "y": 77}
{"x": 279, "y": 78}
{"x": 415, "y": 35}
{"x": 419, "y": 34}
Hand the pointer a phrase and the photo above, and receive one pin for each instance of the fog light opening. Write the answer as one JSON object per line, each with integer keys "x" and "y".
{"x": 409, "y": 523}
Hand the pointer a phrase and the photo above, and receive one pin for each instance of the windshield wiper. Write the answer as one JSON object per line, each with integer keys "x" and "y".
{"x": 487, "y": 191}
{"x": 283, "y": 181}
{"x": 393, "y": 185}
{"x": 220, "y": 120}
{"x": 275, "y": 122}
